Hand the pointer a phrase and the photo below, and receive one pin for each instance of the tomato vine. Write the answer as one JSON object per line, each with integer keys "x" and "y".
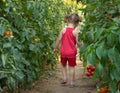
{"x": 34, "y": 25}
{"x": 101, "y": 38}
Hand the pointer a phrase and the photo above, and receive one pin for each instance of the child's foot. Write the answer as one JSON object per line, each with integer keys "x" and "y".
{"x": 72, "y": 85}
{"x": 63, "y": 82}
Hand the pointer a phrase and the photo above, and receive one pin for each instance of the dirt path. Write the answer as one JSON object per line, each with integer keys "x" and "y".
{"x": 52, "y": 84}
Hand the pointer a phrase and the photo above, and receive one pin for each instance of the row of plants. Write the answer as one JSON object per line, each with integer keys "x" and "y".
{"x": 28, "y": 29}
{"x": 101, "y": 40}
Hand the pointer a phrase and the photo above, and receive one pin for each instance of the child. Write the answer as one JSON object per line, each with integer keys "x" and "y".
{"x": 68, "y": 38}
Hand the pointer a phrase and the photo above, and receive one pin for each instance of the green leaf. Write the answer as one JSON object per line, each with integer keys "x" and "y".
{"x": 19, "y": 46}
{"x": 116, "y": 20}
{"x": 32, "y": 47}
{"x": 41, "y": 45}
{"x": 99, "y": 69}
{"x": 2, "y": 29}
{"x": 100, "y": 50}
{"x": 12, "y": 82}
{"x": 98, "y": 33}
{"x": 115, "y": 74}
{"x": 20, "y": 75}
{"x": 4, "y": 59}
{"x": 2, "y": 75}
{"x": 111, "y": 39}
{"x": 118, "y": 91}
{"x": 119, "y": 38}
{"x": 105, "y": 53}
{"x": 91, "y": 7}
{"x": 112, "y": 86}
{"x": 114, "y": 56}
{"x": 92, "y": 58}
{"x": 13, "y": 66}
{"x": 19, "y": 21}
{"x": 114, "y": 27}
{"x": 7, "y": 45}
{"x": 112, "y": 11}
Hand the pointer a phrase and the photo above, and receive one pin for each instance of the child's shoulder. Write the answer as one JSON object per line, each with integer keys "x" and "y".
{"x": 63, "y": 30}
{"x": 76, "y": 30}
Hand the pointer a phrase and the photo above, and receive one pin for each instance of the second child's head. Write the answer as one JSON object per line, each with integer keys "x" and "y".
{"x": 73, "y": 18}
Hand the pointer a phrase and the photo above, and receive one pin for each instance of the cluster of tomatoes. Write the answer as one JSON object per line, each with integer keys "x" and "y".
{"x": 90, "y": 70}
{"x": 8, "y": 33}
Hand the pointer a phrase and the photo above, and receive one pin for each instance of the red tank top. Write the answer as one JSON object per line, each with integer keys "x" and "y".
{"x": 68, "y": 44}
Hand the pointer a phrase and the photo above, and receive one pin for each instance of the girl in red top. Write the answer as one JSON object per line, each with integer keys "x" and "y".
{"x": 68, "y": 38}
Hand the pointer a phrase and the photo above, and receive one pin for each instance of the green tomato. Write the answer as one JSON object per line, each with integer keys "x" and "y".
{"x": 14, "y": 9}
{"x": 6, "y": 4}
{"x": 98, "y": 90}
{"x": 17, "y": 2}
{"x": 3, "y": 1}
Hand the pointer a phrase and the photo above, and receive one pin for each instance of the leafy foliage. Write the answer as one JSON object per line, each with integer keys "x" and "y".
{"x": 34, "y": 24}
{"x": 101, "y": 37}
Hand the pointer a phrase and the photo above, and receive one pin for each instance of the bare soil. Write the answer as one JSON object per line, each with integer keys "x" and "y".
{"x": 51, "y": 82}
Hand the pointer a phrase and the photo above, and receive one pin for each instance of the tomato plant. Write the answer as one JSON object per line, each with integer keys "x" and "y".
{"x": 101, "y": 38}
{"x": 35, "y": 24}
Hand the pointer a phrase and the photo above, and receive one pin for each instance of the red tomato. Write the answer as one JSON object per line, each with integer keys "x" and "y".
{"x": 103, "y": 90}
{"x": 92, "y": 73}
{"x": 88, "y": 67}
{"x": 6, "y": 33}
{"x": 88, "y": 74}
{"x": 89, "y": 70}
{"x": 93, "y": 68}
{"x": 11, "y": 33}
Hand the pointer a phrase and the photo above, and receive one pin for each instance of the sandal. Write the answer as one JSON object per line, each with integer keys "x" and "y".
{"x": 63, "y": 82}
{"x": 72, "y": 85}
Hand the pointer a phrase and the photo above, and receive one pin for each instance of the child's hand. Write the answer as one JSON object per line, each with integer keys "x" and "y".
{"x": 79, "y": 44}
{"x": 55, "y": 50}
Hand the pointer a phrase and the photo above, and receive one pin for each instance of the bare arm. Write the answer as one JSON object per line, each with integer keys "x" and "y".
{"x": 75, "y": 33}
{"x": 58, "y": 40}
{"x": 78, "y": 43}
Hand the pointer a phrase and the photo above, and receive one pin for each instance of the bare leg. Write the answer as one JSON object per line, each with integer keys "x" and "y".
{"x": 64, "y": 73}
{"x": 72, "y": 75}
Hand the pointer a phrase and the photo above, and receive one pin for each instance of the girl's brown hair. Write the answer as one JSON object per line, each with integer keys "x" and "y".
{"x": 75, "y": 18}
{"x": 67, "y": 17}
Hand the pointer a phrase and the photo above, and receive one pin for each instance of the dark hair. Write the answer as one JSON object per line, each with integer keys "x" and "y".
{"x": 75, "y": 18}
{"x": 67, "y": 17}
